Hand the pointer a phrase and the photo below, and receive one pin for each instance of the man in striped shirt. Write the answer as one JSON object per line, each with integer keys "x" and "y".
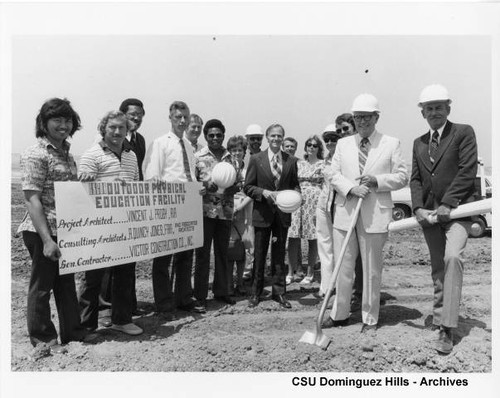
{"x": 109, "y": 161}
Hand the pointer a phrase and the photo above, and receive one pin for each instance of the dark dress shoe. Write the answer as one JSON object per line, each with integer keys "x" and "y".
{"x": 330, "y": 323}
{"x": 282, "y": 301}
{"x": 253, "y": 301}
{"x": 444, "y": 343}
{"x": 166, "y": 316}
{"x": 367, "y": 328}
{"x": 194, "y": 306}
{"x": 225, "y": 299}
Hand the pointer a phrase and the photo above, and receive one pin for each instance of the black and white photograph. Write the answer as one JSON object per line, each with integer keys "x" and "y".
{"x": 236, "y": 198}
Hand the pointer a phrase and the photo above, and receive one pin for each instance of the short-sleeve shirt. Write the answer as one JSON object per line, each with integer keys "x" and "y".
{"x": 215, "y": 205}
{"x": 105, "y": 165}
{"x": 41, "y": 165}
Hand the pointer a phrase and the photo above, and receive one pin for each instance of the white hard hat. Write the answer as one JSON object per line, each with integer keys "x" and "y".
{"x": 288, "y": 200}
{"x": 434, "y": 92}
{"x": 224, "y": 174}
{"x": 254, "y": 129}
{"x": 365, "y": 103}
{"x": 330, "y": 128}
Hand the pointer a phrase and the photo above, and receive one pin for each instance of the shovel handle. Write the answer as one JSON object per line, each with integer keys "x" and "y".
{"x": 336, "y": 269}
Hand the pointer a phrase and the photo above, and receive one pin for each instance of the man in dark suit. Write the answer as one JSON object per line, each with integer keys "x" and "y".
{"x": 269, "y": 172}
{"x": 443, "y": 173}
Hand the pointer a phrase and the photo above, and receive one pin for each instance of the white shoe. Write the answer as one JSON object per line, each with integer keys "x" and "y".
{"x": 130, "y": 328}
{"x": 307, "y": 280}
{"x": 289, "y": 279}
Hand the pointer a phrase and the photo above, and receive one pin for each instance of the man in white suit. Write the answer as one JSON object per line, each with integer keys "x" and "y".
{"x": 366, "y": 165}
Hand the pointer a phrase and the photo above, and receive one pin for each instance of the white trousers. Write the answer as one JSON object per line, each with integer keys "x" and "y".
{"x": 371, "y": 247}
{"x": 324, "y": 233}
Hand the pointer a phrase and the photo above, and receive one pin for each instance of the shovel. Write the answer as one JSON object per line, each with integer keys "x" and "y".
{"x": 317, "y": 337}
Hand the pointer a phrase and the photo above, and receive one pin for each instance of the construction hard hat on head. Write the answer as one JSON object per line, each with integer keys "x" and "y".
{"x": 331, "y": 128}
{"x": 254, "y": 129}
{"x": 434, "y": 92}
{"x": 365, "y": 103}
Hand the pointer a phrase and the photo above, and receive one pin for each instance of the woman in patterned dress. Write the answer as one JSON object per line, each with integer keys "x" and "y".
{"x": 310, "y": 173}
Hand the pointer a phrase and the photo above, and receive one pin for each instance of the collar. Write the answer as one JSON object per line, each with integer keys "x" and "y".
{"x": 105, "y": 146}
{"x": 370, "y": 138}
{"x": 439, "y": 130}
{"x": 206, "y": 151}
{"x": 45, "y": 142}
{"x": 270, "y": 155}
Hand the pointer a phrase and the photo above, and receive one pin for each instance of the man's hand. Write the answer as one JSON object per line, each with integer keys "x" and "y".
{"x": 85, "y": 177}
{"x": 203, "y": 191}
{"x": 211, "y": 186}
{"x": 443, "y": 213}
{"x": 368, "y": 180}
{"x": 424, "y": 217}
{"x": 359, "y": 191}
{"x": 270, "y": 195}
{"x": 232, "y": 189}
{"x": 51, "y": 251}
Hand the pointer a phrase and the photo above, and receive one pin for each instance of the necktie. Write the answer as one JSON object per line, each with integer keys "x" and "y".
{"x": 434, "y": 146}
{"x": 276, "y": 169}
{"x": 363, "y": 153}
{"x": 187, "y": 170}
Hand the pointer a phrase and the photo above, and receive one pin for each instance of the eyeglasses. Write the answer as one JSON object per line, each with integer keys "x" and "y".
{"x": 332, "y": 139}
{"x": 216, "y": 135}
{"x": 255, "y": 138}
{"x": 312, "y": 145}
{"x": 343, "y": 128}
{"x": 365, "y": 118}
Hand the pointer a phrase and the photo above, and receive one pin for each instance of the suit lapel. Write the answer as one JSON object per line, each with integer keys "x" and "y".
{"x": 266, "y": 166}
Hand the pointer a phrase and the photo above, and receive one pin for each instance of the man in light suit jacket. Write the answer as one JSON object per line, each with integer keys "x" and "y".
{"x": 268, "y": 172}
{"x": 443, "y": 173}
{"x": 366, "y": 165}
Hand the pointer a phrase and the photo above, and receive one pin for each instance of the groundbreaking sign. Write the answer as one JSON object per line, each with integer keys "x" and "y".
{"x": 101, "y": 224}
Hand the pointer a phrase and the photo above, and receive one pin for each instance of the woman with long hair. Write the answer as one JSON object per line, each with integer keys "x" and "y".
{"x": 310, "y": 174}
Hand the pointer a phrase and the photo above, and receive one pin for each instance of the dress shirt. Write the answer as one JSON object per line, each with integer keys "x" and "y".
{"x": 164, "y": 159}
{"x": 279, "y": 158}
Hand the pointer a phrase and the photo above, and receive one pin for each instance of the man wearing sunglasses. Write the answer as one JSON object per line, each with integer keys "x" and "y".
{"x": 367, "y": 165}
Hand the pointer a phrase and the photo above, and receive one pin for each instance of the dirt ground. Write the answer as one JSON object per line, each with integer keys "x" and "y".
{"x": 266, "y": 338}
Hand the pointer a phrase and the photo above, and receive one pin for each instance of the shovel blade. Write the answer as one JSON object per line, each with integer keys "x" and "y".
{"x": 315, "y": 338}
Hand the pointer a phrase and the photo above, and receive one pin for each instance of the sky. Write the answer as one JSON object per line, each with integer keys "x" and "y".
{"x": 302, "y": 82}
{"x": 294, "y": 63}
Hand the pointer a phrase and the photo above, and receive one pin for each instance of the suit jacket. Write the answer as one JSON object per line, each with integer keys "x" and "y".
{"x": 385, "y": 162}
{"x": 259, "y": 177}
{"x": 450, "y": 180}
{"x": 138, "y": 146}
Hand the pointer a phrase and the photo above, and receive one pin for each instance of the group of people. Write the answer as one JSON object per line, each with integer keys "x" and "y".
{"x": 352, "y": 165}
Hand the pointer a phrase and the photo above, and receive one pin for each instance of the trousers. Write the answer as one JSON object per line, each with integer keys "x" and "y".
{"x": 446, "y": 246}
{"x": 44, "y": 279}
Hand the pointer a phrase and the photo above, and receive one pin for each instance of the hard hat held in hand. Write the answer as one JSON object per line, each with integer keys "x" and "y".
{"x": 434, "y": 92}
{"x": 224, "y": 175}
{"x": 365, "y": 103}
{"x": 288, "y": 200}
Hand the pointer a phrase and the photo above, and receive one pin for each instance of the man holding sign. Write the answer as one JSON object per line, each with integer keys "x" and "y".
{"x": 108, "y": 161}
{"x": 170, "y": 158}
{"x": 443, "y": 173}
